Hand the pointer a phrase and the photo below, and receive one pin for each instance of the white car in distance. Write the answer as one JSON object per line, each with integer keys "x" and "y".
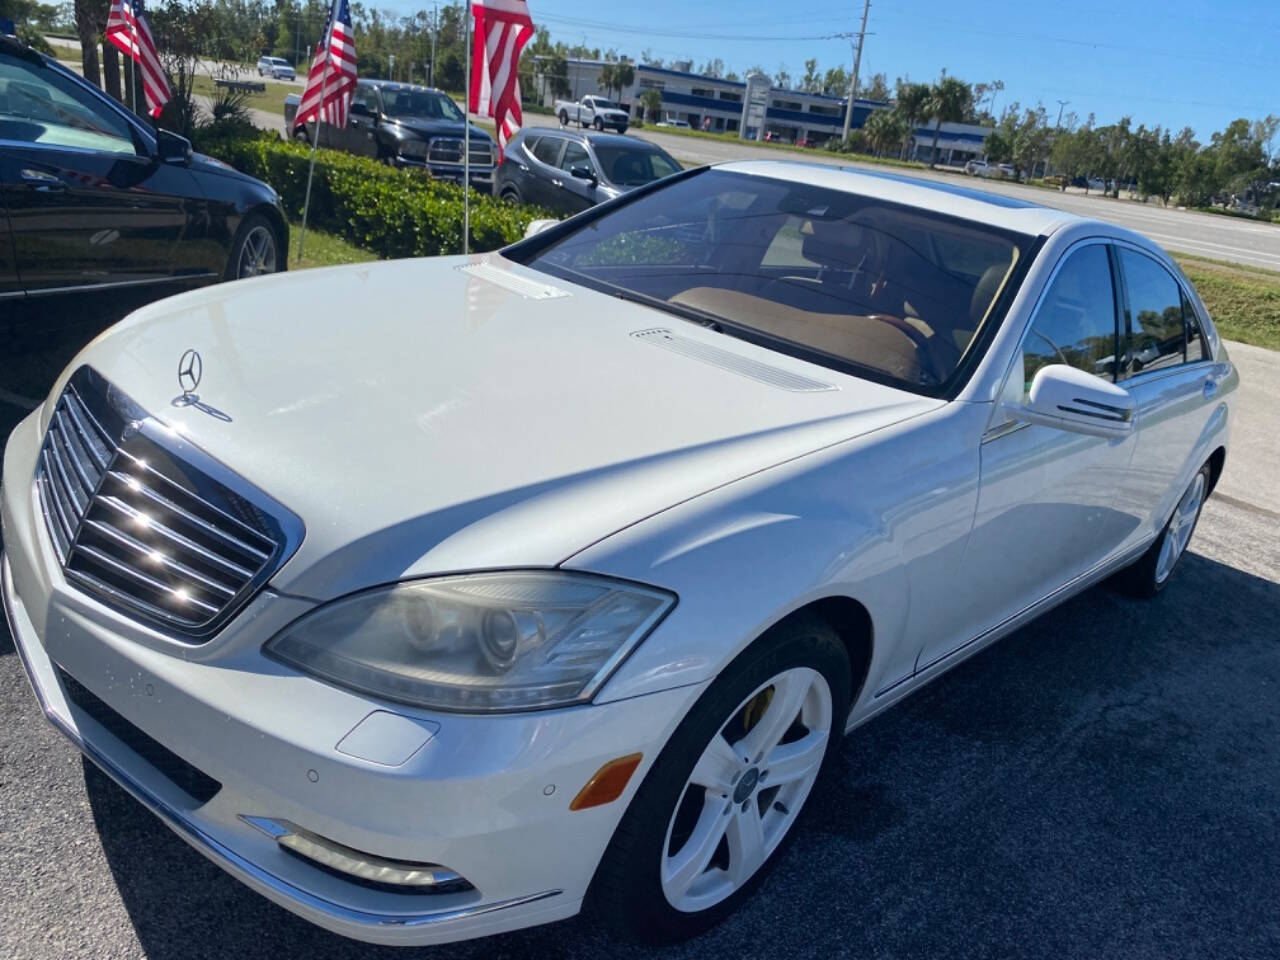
{"x": 429, "y": 622}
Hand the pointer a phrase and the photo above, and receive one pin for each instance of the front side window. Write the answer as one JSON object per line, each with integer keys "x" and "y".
{"x": 1075, "y": 323}
{"x": 40, "y": 105}
{"x": 368, "y": 98}
{"x": 1157, "y": 327}
{"x": 575, "y": 155}
{"x": 889, "y": 292}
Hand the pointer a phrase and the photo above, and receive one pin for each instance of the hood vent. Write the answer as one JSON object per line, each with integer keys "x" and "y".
{"x": 727, "y": 360}
{"x": 524, "y": 286}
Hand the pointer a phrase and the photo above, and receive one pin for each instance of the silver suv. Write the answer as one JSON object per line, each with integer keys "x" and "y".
{"x": 277, "y": 68}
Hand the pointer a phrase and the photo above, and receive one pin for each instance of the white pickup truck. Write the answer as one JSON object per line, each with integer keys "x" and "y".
{"x": 592, "y": 111}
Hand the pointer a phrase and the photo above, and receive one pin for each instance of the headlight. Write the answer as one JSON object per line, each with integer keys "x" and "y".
{"x": 412, "y": 148}
{"x": 486, "y": 642}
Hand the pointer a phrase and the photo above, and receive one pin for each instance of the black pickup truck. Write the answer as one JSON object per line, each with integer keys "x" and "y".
{"x": 408, "y": 126}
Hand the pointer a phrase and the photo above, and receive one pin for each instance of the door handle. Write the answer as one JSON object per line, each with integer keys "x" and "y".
{"x": 42, "y": 182}
{"x": 1210, "y": 387}
{"x": 556, "y": 183}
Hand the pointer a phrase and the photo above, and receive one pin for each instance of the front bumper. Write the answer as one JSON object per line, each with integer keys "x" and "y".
{"x": 487, "y": 797}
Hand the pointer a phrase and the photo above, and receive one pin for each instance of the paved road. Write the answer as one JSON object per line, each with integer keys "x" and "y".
{"x": 1106, "y": 782}
{"x": 1207, "y": 235}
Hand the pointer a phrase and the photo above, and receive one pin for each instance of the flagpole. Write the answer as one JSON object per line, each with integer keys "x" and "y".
{"x": 133, "y": 58}
{"x": 315, "y": 130}
{"x": 466, "y": 139}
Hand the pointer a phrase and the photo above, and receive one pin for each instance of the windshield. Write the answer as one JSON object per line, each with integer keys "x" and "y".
{"x": 891, "y": 292}
{"x": 631, "y": 167}
{"x": 605, "y": 104}
{"x": 420, "y": 103}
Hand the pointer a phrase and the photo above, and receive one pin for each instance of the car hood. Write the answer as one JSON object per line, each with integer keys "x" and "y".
{"x": 429, "y": 416}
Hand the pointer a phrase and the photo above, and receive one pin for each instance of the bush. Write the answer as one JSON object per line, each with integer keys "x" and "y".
{"x": 389, "y": 212}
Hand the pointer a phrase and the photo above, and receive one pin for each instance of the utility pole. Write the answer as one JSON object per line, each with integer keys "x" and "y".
{"x": 435, "y": 31}
{"x": 1061, "y": 104}
{"x": 857, "y": 63}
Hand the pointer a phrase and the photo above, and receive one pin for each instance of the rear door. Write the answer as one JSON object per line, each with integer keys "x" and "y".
{"x": 9, "y": 285}
{"x": 87, "y": 202}
{"x": 1173, "y": 380}
{"x": 545, "y": 172}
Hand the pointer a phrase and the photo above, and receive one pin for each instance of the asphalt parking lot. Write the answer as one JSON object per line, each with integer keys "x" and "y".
{"x": 1104, "y": 783}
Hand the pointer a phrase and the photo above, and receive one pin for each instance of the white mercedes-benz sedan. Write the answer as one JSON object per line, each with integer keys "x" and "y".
{"x": 436, "y": 598}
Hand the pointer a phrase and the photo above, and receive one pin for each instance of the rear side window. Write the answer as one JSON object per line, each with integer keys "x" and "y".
{"x": 1075, "y": 323}
{"x": 547, "y": 150}
{"x": 1157, "y": 326}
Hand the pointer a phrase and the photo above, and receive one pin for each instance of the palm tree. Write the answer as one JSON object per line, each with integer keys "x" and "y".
{"x": 949, "y": 101}
{"x": 912, "y": 104}
{"x": 652, "y": 102}
{"x": 884, "y": 128}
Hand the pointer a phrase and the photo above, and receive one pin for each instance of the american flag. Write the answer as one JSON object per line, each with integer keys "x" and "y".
{"x": 127, "y": 29}
{"x": 332, "y": 79}
{"x": 503, "y": 27}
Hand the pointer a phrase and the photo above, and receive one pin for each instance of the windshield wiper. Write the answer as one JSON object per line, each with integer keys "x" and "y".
{"x": 701, "y": 318}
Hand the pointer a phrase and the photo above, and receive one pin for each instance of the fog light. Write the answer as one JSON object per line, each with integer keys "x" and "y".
{"x": 420, "y": 877}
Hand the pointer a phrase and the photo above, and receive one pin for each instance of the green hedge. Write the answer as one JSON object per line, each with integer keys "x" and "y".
{"x": 389, "y": 212}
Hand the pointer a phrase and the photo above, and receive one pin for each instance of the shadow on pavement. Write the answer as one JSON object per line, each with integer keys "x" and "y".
{"x": 1105, "y": 782}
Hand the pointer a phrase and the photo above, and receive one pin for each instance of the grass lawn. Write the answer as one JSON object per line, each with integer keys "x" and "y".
{"x": 64, "y": 51}
{"x": 1243, "y": 301}
{"x": 323, "y": 249}
{"x": 272, "y": 101}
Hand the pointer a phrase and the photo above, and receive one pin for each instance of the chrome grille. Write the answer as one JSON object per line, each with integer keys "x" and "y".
{"x": 449, "y": 150}
{"x": 139, "y": 520}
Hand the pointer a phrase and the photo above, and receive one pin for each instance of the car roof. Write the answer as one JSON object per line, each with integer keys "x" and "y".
{"x": 998, "y": 210}
{"x": 394, "y": 87}
{"x": 590, "y": 136}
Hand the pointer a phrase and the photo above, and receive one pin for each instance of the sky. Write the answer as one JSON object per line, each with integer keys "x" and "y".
{"x": 1174, "y": 63}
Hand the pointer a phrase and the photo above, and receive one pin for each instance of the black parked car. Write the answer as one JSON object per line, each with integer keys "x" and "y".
{"x": 92, "y": 197}
{"x": 406, "y": 125}
{"x": 567, "y": 171}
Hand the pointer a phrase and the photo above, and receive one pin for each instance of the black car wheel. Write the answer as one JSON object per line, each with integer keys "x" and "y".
{"x": 599, "y": 124}
{"x": 511, "y": 194}
{"x": 256, "y": 250}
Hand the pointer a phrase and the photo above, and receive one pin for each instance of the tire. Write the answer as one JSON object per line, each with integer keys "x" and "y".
{"x": 1154, "y": 569}
{"x": 511, "y": 194}
{"x": 255, "y": 250}
{"x": 669, "y": 871}
{"x": 598, "y": 124}
{"x": 300, "y": 134}
{"x": 563, "y": 117}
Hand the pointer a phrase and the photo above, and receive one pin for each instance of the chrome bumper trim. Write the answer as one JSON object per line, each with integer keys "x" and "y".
{"x": 214, "y": 849}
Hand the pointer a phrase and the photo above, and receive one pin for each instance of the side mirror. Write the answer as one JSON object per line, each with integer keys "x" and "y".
{"x": 171, "y": 148}
{"x": 583, "y": 173}
{"x": 537, "y": 226}
{"x": 1070, "y": 399}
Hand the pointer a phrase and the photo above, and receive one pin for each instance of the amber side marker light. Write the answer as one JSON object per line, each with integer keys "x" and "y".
{"x": 608, "y": 783}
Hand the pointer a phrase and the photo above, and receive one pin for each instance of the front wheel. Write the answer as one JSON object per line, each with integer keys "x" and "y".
{"x": 255, "y": 251}
{"x": 716, "y": 809}
{"x": 1154, "y": 568}
{"x": 598, "y": 124}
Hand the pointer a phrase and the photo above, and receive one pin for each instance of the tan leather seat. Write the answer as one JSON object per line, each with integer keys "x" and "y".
{"x": 873, "y": 343}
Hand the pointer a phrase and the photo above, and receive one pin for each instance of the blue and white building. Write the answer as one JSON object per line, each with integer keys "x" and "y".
{"x": 790, "y": 115}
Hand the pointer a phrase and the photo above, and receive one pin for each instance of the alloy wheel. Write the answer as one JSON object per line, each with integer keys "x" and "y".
{"x": 1178, "y": 533}
{"x": 746, "y": 789}
{"x": 257, "y": 253}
